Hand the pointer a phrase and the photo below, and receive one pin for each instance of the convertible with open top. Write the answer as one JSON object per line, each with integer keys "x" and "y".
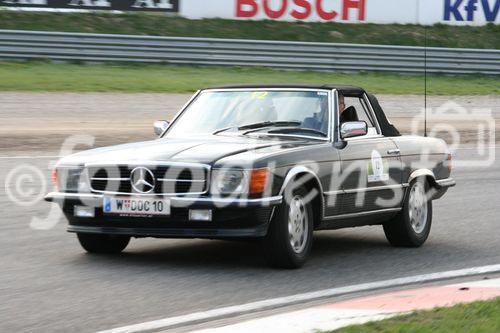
{"x": 269, "y": 163}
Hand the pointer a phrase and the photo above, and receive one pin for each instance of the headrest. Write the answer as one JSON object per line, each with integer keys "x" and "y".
{"x": 349, "y": 114}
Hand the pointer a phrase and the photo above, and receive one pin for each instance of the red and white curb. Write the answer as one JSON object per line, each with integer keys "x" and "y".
{"x": 365, "y": 309}
{"x": 190, "y": 319}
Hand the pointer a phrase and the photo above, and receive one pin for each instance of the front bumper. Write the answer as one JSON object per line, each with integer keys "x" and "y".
{"x": 195, "y": 202}
{"x": 442, "y": 186}
{"x": 208, "y": 233}
{"x": 230, "y": 217}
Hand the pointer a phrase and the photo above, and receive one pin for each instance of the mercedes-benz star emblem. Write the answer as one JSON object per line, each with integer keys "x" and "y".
{"x": 142, "y": 180}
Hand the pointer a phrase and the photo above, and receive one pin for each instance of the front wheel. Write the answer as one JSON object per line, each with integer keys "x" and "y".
{"x": 95, "y": 243}
{"x": 290, "y": 235}
{"x": 411, "y": 227}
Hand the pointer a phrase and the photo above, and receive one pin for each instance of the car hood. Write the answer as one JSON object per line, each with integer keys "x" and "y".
{"x": 206, "y": 149}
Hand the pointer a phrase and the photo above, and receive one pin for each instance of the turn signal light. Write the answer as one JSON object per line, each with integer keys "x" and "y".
{"x": 450, "y": 162}
{"x": 54, "y": 177}
{"x": 258, "y": 180}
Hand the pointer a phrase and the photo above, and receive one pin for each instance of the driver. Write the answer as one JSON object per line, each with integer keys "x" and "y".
{"x": 341, "y": 104}
{"x": 346, "y": 114}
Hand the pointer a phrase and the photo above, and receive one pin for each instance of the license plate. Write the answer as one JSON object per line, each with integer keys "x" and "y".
{"x": 135, "y": 206}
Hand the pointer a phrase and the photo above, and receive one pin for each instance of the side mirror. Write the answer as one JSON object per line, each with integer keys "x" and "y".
{"x": 352, "y": 129}
{"x": 160, "y": 126}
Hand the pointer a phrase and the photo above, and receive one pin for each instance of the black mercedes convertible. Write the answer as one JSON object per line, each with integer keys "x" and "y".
{"x": 269, "y": 163}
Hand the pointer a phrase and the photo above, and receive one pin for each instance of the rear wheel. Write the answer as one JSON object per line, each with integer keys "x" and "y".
{"x": 411, "y": 227}
{"x": 290, "y": 235}
{"x": 95, "y": 243}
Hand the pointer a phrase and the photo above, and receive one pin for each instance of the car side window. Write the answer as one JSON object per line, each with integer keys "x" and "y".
{"x": 362, "y": 112}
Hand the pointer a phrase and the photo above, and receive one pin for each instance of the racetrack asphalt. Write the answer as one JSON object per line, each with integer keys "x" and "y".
{"x": 47, "y": 283}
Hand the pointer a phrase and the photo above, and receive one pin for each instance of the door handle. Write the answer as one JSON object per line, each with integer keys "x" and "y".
{"x": 394, "y": 152}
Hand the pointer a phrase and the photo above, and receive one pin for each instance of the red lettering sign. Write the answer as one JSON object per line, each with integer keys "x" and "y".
{"x": 242, "y": 8}
{"x": 354, "y": 4}
{"x": 324, "y": 14}
{"x": 299, "y": 9}
{"x": 274, "y": 14}
{"x": 301, "y": 15}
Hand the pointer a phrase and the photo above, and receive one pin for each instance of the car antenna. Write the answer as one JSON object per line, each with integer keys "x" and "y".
{"x": 425, "y": 80}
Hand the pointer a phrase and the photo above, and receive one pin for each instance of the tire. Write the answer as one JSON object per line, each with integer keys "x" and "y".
{"x": 103, "y": 244}
{"x": 411, "y": 227}
{"x": 294, "y": 215}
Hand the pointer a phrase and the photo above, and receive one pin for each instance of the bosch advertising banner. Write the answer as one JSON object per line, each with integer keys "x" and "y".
{"x": 121, "y": 5}
{"x": 301, "y": 9}
{"x": 456, "y": 12}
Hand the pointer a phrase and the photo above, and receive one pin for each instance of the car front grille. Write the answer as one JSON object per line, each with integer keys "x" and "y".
{"x": 166, "y": 179}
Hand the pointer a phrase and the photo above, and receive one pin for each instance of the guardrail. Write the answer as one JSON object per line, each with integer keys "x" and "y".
{"x": 19, "y": 45}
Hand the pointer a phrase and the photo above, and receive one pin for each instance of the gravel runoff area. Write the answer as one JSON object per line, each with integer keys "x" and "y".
{"x": 40, "y": 122}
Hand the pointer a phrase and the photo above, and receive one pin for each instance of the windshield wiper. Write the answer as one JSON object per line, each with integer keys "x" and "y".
{"x": 297, "y": 129}
{"x": 259, "y": 125}
{"x": 270, "y": 123}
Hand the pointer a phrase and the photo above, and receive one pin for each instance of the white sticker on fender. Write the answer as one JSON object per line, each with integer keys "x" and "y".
{"x": 377, "y": 169}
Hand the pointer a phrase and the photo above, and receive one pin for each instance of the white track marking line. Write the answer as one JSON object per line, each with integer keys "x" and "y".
{"x": 309, "y": 320}
{"x": 336, "y": 315}
{"x": 220, "y": 313}
{"x": 490, "y": 283}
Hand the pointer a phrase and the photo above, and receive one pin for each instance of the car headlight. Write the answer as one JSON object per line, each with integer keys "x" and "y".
{"x": 71, "y": 179}
{"x": 237, "y": 181}
{"x": 229, "y": 181}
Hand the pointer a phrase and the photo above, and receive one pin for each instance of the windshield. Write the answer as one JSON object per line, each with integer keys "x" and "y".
{"x": 215, "y": 112}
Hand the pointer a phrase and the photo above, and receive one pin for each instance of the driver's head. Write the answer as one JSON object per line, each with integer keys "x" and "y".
{"x": 341, "y": 103}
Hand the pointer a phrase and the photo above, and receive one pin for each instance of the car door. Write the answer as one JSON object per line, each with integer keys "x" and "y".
{"x": 370, "y": 167}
